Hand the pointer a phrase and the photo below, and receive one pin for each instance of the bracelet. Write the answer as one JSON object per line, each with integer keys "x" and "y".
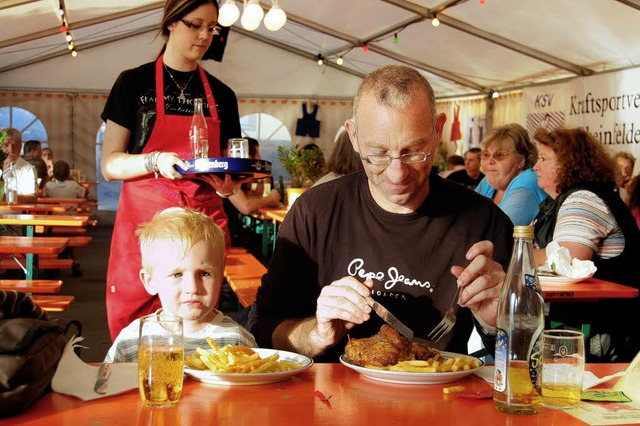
{"x": 151, "y": 162}
{"x": 227, "y": 194}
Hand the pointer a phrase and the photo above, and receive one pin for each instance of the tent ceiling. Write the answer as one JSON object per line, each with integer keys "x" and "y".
{"x": 499, "y": 45}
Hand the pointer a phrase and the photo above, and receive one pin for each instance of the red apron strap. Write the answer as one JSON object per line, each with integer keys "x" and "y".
{"x": 213, "y": 111}
{"x": 159, "y": 87}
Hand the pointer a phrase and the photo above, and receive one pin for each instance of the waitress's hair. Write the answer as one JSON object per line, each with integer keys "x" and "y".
{"x": 174, "y": 10}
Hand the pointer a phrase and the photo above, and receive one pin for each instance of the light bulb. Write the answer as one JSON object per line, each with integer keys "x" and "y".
{"x": 275, "y": 19}
{"x": 69, "y": 37}
{"x": 494, "y": 95}
{"x": 339, "y": 61}
{"x": 74, "y": 53}
{"x": 248, "y": 24}
{"x": 253, "y": 12}
{"x": 320, "y": 61}
{"x": 435, "y": 21}
{"x": 70, "y": 46}
{"x": 229, "y": 13}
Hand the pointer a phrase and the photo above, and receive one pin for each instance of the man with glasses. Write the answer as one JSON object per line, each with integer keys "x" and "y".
{"x": 395, "y": 232}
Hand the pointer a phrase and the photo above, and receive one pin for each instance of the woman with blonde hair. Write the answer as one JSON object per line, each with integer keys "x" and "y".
{"x": 506, "y": 160}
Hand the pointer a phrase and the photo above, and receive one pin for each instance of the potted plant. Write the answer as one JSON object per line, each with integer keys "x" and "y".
{"x": 305, "y": 165}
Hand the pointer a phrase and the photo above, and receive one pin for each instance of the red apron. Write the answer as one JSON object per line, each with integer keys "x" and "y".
{"x": 141, "y": 198}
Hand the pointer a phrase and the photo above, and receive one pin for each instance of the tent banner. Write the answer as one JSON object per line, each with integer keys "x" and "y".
{"x": 607, "y": 105}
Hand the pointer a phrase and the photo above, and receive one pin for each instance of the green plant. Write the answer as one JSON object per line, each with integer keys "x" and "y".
{"x": 304, "y": 165}
{"x": 2, "y": 153}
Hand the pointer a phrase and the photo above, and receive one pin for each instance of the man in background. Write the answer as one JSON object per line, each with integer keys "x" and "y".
{"x": 625, "y": 162}
{"x": 33, "y": 154}
{"x": 18, "y": 173}
{"x": 471, "y": 175}
{"x": 455, "y": 162}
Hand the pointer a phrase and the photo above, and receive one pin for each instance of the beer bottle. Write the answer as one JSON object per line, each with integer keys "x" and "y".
{"x": 198, "y": 135}
{"x": 518, "y": 363}
{"x": 281, "y": 188}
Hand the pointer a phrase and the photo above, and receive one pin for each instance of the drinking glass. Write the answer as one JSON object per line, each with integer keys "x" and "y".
{"x": 239, "y": 148}
{"x": 562, "y": 368}
{"x": 160, "y": 360}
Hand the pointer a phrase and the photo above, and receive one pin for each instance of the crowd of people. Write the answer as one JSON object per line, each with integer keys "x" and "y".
{"x": 381, "y": 224}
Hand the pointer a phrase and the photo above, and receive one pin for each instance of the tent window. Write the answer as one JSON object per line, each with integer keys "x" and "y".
{"x": 24, "y": 121}
{"x": 271, "y": 133}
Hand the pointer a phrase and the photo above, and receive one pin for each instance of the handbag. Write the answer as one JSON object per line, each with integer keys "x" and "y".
{"x": 31, "y": 346}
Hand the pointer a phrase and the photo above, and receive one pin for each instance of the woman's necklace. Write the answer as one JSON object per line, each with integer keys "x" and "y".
{"x": 184, "y": 86}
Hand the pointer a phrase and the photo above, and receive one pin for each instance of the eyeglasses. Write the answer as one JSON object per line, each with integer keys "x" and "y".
{"x": 408, "y": 158}
{"x": 211, "y": 29}
{"x": 498, "y": 156}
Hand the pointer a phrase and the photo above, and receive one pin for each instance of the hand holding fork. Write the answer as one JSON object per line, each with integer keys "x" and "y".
{"x": 449, "y": 320}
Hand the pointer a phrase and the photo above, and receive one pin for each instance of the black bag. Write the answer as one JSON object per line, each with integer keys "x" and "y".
{"x": 30, "y": 348}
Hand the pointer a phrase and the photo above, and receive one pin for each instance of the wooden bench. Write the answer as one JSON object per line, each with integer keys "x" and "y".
{"x": 244, "y": 274}
{"x": 43, "y": 263}
{"x": 32, "y": 286}
{"x": 54, "y": 303}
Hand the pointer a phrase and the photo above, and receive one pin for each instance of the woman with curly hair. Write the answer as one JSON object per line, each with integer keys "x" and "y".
{"x": 584, "y": 214}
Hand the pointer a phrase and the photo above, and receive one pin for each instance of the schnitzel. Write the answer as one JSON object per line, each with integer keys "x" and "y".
{"x": 387, "y": 347}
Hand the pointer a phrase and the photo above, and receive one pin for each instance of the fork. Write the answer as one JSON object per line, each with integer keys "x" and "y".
{"x": 449, "y": 320}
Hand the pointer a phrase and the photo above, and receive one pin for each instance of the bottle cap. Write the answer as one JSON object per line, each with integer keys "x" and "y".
{"x": 523, "y": 231}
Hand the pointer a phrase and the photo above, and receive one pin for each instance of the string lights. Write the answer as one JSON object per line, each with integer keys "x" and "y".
{"x": 252, "y": 15}
{"x": 64, "y": 28}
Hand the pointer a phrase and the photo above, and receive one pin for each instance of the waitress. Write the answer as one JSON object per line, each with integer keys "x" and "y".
{"x": 147, "y": 117}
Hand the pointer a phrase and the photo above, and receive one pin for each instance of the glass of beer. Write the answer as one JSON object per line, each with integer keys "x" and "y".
{"x": 562, "y": 368}
{"x": 160, "y": 360}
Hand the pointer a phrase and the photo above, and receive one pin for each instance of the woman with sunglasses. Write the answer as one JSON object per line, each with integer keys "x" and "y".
{"x": 507, "y": 159}
{"x": 147, "y": 118}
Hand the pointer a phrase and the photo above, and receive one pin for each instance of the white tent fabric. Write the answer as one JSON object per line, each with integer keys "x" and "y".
{"x": 480, "y": 47}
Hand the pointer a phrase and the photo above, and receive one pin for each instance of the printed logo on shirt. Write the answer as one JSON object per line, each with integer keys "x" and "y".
{"x": 390, "y": 278}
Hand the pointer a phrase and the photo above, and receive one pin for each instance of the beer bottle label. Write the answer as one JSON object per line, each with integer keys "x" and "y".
{"x": 500, "y": 371}
{"x": 531, "y": 282}
{"x": 535, "y": 364}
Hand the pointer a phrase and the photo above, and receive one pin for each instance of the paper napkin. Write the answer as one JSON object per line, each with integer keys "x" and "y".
{"x": 559, "y": 261}
{"x": 74, "y": 377}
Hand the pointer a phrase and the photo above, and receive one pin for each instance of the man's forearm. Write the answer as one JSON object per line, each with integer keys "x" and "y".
{"x": 298, "y": 336}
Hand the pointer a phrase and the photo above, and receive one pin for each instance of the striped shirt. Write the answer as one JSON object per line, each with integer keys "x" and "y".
{"x": 585, "y": 219}
{"x": 222, "y": 329}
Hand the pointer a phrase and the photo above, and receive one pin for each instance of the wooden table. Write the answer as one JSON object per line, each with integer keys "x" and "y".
{"x": 276, "y": 216}
{"x": 354, "y": 401}
{"x": 35, "y": 208}
{"x": 31, "y": 247}
{"x": 30, "y": 220}
{"x": 32, "y": 286}
{"x": 75, "y": 201}
{"x": 589, "y": 290}
{"x": 244, "y": 274}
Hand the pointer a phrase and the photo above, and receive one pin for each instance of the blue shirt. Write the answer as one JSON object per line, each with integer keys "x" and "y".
{"x": 521, "y": 199}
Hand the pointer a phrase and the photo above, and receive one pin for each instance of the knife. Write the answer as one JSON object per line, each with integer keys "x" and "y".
{"x": 390, "y": 319}
{"x": 103, "y": 379}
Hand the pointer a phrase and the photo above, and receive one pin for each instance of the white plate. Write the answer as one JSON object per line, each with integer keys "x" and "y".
{"x": 411, "y": 378}
{"x": 252, "y": 379}
{"x": 551, "y": 280}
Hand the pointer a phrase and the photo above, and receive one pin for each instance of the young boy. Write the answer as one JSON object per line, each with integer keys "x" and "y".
{"x": 183, "y": 263}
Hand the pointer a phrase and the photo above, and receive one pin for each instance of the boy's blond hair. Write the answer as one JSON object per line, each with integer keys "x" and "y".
{"x": 182, "y": 226}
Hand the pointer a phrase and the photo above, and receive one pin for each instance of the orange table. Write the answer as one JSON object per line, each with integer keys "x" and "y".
{"x": 354, "y": 400}
{"x": 244, "y": 275}
{"x": 276, "y": 215}
{"x": 31, "y": 220}
{"x": 78, "y": 201}
{"x": 589, "y": 290}
{"x": 35, "y": 208}
{"x": 32, "y": 286}
{"x": 31, "y": 247}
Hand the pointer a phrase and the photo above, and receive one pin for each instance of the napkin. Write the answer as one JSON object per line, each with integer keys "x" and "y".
{"x": 589, "y": 379}
{"x": 74, "y": 377}
{"x": 559, "y": 261}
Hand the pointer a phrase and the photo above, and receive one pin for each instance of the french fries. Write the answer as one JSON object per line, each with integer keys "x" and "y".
{"x": 236, "y": 359}
{"x": 436, "y": 364}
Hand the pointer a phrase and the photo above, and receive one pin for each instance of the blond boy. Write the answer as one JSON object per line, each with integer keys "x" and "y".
{"x": 183, "y": 263}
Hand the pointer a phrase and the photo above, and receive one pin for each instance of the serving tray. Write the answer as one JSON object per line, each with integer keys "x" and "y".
{"x": 239, "y": 167}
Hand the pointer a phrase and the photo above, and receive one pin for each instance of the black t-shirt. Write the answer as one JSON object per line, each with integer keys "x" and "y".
{"x": 132, "y": 103}
{"x": 337, "y": 229}
{"x": 463, "y": 178}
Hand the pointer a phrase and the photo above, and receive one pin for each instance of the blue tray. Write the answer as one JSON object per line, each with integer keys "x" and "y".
{"x": 238, "y": 167}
